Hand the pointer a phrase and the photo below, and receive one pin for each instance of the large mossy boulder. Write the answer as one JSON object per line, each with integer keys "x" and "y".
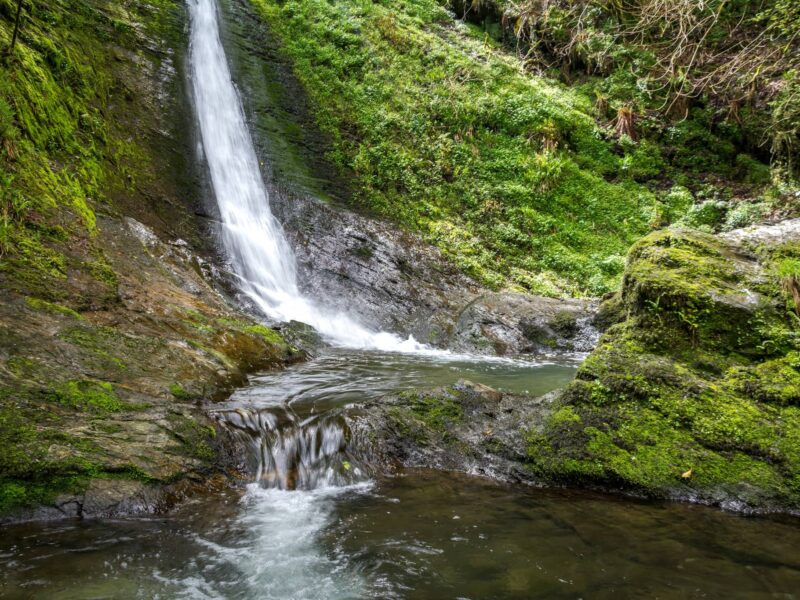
{"x": 694, "y": 393}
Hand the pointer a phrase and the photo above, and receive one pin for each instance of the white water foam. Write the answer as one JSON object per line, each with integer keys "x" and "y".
{"x": 255, "y": 243}
{"x": 275, "y": 554}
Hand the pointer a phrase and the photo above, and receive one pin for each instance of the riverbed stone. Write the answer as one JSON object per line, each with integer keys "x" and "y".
{"x": 465, "y": 427}
{"x": 506, "y": 323}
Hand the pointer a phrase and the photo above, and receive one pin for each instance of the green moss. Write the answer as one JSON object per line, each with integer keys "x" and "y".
{"x": 102, "y": 272}
{"x": 406, "y": 426}
{"x": 93, "y": 396}
{"x": 23, "y": 446}
{"x": 684, "y": 396}
{"x": 776, "y": 381}
{"x": 538, "y": 334}
{"x": 196, "y": 439}
{"x": 177, "y": 390}
{"x": 43, "y": 305}
{"x": 268, "y": 335}
{"x": 63, "y": 148}
{"x": 16, "y": 494}
{"x": 565, "y": 323}
{"x": 104, "y": 343}
{"x": 30, "y": 472}
{"x": 437, "y": 412}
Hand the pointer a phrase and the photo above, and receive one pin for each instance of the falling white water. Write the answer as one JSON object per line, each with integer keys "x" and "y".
{"x": 254, "y": 240}
{"x": 272, "y": 551}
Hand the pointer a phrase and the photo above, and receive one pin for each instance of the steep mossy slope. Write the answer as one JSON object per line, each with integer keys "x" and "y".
{"x": 514, "y": 176}
{"x": 695, "y": 392}
{"x": 679, "y": 72}
{"x": 109, "y": 337}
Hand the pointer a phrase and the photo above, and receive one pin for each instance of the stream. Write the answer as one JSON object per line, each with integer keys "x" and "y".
{"x": 418, "y": 534}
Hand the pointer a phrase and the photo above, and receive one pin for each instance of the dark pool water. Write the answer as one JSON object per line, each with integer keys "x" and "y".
{"x": 423, "y": 534}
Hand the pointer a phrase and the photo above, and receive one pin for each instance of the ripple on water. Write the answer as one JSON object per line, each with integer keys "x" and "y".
{"x": 398, "y": 538}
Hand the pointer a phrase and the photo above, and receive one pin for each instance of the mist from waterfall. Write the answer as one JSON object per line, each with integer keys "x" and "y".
{"x": 255, "y": 243}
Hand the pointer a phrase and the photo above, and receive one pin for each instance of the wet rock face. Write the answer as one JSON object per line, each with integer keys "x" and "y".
{"x": 352, "y": 262}
{"x": 465, "y": 427}
{"x": 508, "y": 323}
{"x": 394, "y": 281}
{"x": 369, "y": 269}
{"x": 113, "y": 393}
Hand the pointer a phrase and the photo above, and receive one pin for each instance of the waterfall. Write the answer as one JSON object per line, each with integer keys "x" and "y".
{"x": 285, "y": 452}
{"x": 253, "y": 239}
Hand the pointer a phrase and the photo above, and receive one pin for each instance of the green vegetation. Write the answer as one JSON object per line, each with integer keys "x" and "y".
{"x": 48, "y": 95}
{"x": 696, "y": 392}
{"x": 177, "y": 390}
{"x": 40, "y": 461}
{"x": 197, "y": 440}
{"x": 95, "y": 396}
{"x": 85, "y": 377}
{"x": 268, "y": 335}
{"x": 437, "y": 412}
{"x": 505, "y": 173}
{"x": 519, "y": 179}
{"x": 725, "y": 71}
{"x": 39, "y": 304}
{"x": 427, "y": 417}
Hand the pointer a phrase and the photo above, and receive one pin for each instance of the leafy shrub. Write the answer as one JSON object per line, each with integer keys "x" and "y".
{"x": 744, "y": 214}
{"x": 706, "y": 216}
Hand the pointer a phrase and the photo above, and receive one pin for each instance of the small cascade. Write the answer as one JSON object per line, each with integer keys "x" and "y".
{"x": 285, "y": 452}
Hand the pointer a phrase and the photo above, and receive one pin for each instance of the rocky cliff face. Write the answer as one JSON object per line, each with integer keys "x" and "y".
{"x": 116, "y": 320}
{"x": 110, "y": 332}
{"x": 356, "y": 262}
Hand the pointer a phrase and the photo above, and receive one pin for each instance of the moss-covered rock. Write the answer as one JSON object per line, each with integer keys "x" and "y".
{"x": 695, "y": 393}
{"x": 464, "y": 427}
{"x": 119, "y": 393}
{"x": 111, "y": 336}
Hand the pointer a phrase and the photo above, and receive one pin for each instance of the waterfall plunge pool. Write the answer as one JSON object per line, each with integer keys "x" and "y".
{"x": 418, "y": 535}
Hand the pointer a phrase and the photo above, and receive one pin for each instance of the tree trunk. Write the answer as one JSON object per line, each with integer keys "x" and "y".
{"x": 16, "y": 27}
